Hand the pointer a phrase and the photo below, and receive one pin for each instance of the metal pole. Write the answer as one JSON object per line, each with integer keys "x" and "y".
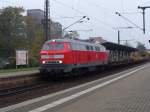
{"x": 118, "y": 37}
{"x": 126, "y": 42}
{"x": 47, "y": 21}
{"x": 49, "y": 12}
{"x": 143, "y": 9}
{"x": 144, "y": 20}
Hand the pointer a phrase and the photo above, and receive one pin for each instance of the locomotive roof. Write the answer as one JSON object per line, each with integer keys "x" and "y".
{"x": 73, "y": 41}
{"x": 114, "y": 46}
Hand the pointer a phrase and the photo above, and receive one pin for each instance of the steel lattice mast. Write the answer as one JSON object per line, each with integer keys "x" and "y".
{"x": 47, "y": 21}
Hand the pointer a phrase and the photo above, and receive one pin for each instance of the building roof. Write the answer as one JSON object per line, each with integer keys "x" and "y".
{"x": 114, "y": 46}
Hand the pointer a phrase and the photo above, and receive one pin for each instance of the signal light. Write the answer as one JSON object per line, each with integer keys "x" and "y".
{"x": 149, "y": 41}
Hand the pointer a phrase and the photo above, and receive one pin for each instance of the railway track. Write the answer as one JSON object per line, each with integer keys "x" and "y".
{"x": 15, "y": 95}
{"x": 22, "y": 89}
{"x": 17, "y": 81}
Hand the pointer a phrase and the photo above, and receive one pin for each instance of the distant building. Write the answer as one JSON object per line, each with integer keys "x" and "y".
{"x": 38, "y": 17}
{"x": 56, "y": 30}
{"x": 36, "y": 14}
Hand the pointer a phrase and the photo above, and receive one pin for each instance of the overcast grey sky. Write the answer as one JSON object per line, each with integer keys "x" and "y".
{"x": 101, "y": 13}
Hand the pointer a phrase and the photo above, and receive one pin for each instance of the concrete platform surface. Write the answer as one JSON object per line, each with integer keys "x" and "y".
{"x": 131, "y": 94}
{"x": 128, "y": 91}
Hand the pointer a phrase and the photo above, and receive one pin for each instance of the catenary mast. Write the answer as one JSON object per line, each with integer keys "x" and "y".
{"x": 47, "y": 21}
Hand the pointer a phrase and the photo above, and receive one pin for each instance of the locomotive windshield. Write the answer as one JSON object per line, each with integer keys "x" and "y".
{"x": 53, "y": 46}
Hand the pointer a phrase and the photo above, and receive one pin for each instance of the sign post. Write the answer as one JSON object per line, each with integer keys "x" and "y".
{"x": 21, "y": 58}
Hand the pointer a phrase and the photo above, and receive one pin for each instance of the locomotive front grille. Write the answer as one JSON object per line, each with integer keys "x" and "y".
{"x": 53, "y": 62}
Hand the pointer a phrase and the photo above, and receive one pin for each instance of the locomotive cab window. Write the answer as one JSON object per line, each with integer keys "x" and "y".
{"x": 91, "y": 48}
{"x": 97, "y": 48}
{"x": 87, "y": 48}
{"x": 47, "y": 46}
{"x": 53, "y": 46}
{"x": 59, "y": 46}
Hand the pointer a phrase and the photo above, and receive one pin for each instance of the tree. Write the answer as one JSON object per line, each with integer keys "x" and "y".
{"x": 142, "y": 49}
{"x": 35, "y": 38}
{"x": 31, "y": 28}
{"x": 19, "y": 32}
{"x": 1, "y": 45}
{"x": 37, "y": 44}
{"x": 72, "y": 35}
{"x": 12, "y": 30}
{"x": 140, "y": 46}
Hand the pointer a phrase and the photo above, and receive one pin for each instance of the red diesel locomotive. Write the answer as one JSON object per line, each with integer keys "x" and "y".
{"x": 66, "y": 55}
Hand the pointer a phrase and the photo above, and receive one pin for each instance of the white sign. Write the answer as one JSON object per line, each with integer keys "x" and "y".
{"x": 21, "y": 57}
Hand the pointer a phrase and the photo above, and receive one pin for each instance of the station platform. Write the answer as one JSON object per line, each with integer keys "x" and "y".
{"x": 131, "y": 94}
{"x": 18, "y": 73}
{"x": 128, "y": 91}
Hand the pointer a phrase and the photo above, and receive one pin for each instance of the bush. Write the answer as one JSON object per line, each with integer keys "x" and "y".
{"x": 12, "y": 62}
{"x": 7, "y": 63}
{"x": 34, "y": 62}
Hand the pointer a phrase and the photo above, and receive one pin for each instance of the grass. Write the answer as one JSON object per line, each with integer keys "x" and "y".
{"x": 18, "y": 70}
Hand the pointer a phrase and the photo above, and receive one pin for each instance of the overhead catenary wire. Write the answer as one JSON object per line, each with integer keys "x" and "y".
{"x": 131, "y": 12}
{"x": 67, "y": 17}
{"x": 108, "y": 11}
{"x": 83, "y": 13}
{"x": 125, "y": 18}
{"x": 91, "y": 17}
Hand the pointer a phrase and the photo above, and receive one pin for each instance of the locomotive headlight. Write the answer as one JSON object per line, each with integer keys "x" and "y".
{"x": 43, "y": 62}
{"x": 60, "y": 62}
